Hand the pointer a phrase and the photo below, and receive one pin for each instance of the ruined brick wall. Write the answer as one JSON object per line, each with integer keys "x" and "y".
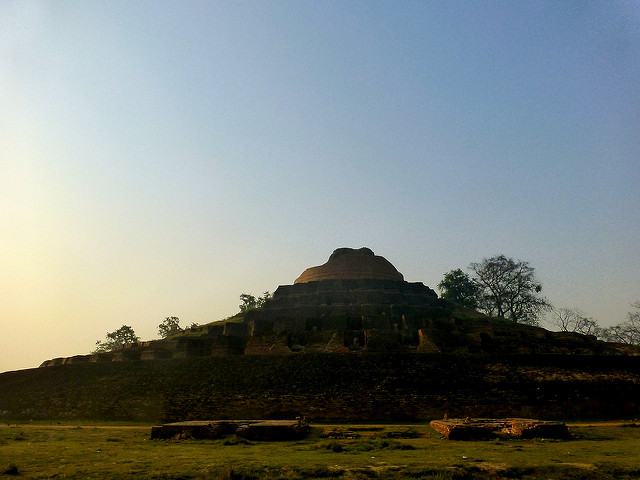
{"x": 352, "y": 387}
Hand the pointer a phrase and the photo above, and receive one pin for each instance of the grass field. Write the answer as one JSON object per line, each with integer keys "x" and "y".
{"x": 353, "y": 452}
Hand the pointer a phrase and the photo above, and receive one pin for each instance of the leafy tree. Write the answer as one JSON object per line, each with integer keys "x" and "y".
{"x": 509, "y": 289}
{"x": 170, "y": 326}
{"x": 573, "y": 320}
{"x": 250, "y": 302}
{"x": 263, "y": 299}
{"x": 123, "y": 336}
{"x": 458, "y": 287}
{"x": 626, "y": 332}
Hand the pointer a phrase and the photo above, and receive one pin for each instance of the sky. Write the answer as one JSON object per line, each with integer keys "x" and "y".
{"x": 159, "y": 158}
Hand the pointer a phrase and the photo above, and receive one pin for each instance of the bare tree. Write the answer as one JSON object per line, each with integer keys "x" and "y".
{"x": 574, "y": 320}
{"x": 509, "y": 289}
{"x": 626, "y": 332}
{"x": 634, "y": 317}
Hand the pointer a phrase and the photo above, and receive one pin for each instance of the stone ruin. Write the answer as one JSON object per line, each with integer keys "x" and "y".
{"x": 357, "y": 302}
{"x": 489, "y": 428}
{"x": 255, "y": 430}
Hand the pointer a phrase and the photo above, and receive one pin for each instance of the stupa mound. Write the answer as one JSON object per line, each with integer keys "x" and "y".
{"x": 358, "y": 301}
{"x": 373, "y": 330}
{"x": 352, "y": 264}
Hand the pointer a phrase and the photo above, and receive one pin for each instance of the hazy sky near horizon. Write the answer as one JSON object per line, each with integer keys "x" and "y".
{"x": 160, "y": 158}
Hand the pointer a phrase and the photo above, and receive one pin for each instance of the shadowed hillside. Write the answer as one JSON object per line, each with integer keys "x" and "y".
{"x": 327, "y": 387}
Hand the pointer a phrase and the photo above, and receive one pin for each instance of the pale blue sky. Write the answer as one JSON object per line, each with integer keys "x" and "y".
{"x": 160, "y": 158}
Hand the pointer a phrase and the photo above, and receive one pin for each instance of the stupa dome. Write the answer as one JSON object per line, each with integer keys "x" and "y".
{"x": 352, "y": 264}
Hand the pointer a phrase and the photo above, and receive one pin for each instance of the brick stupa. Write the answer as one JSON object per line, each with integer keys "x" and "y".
{"x": 356, "y": 300}
{"x": 352, "y": 264}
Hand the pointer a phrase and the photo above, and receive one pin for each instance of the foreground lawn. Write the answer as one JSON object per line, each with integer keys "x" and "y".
{"x": 361, "y": 452}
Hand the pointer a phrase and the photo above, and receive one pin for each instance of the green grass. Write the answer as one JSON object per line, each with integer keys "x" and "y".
{"x": 385, "y": 452}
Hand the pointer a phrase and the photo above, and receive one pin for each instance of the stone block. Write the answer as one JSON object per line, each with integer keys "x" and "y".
{"x": 426, "y": 345}
{"x": 155, "y": 354}
{"x": 267, "y": 344}
{"x": 215, "y": 330}
{"x": 77, "y": 359}
{"x": 487, "y": 428}
{"x": 237, "y": 329}
{"x": 228, "y": 345}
